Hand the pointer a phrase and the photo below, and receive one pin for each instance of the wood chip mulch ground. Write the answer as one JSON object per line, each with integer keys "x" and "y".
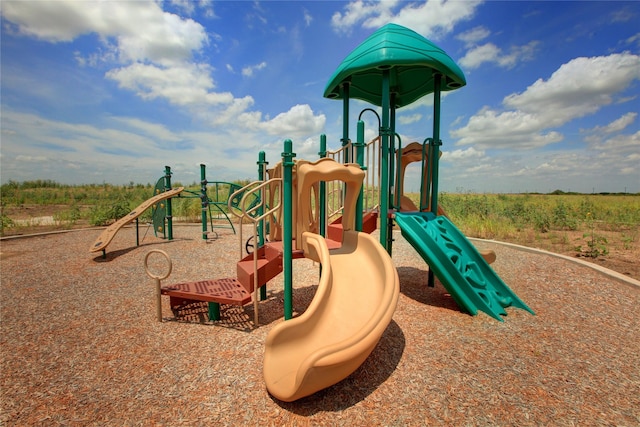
{"x": 80, "y": 344}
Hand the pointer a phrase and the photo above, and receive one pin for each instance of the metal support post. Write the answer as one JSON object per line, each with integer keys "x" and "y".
{"x": 384, "y": 164}
{"x": 287, "y": 188}
{"x": 262, "y": 176}
{"x": 323, "y": 190}
{"x": 204, "y": 199}
{"x": 360, "y": 160}
{"x": 167, "y": 187}
{"x": 345, "y": 119}
{"x": 435, "y": 156}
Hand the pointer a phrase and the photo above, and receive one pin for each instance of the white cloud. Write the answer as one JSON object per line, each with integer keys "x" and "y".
{"x": 307, "y": 149}
{"x": 150, "y": 51}
{"x": 31, "y": 159}
{"x": 479, "y": 55}
{"x": 430, "y": 18}
{"x": 456, "y": 156}
{"x": 622, "y": 15}
{"x": 185, "y": 84}
{"x": 236, "y": 112}
{"x": 633, "y": 40}
{"x": 298, "y": 121}
{"x": 141, "y": 30}
{"x": 129, "y": 149}
{"x": 616, "y": 125}
{"x": 489, "y": 52}
{"x": 509, "y": 129}
{"x": 248, "y": 71}
{"x": 157, "y": 131}
{"x": 519, "y": 54}
{"x": 185, "y": 5}
{"x": 578, "y": 88}
{"x": 408, "y": 119}
{"x": 619, "y": 144}
{"x": 474, "y": 35}
{"x": 308, "y": 19}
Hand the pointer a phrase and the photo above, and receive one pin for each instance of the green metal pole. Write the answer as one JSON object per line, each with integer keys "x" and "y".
{"x": 214, "y": 311}
{"x": 323, "y": 189}
{"x": 436, "y": 144}
{"x": 360, "y": 160}
{"x": 399, "y": 189}
{"x": 392, "y": 166}
{"x": 323, "y": 194}
{"x": 262, "y": 176}
{"x": 167, "y": 187}
{"x": 345, "y": 118}
{"x": 425, "y": 184}
{"x": 384, "y": 164}
{"x": 204, "y": 199}
{"x": 287, "y": 189}
{"x": 214, "y": 307}
{"x": 434, "y": 158}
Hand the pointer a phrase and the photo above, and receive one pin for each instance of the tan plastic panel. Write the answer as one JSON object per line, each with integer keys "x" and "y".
{"x": 308, "y": 175}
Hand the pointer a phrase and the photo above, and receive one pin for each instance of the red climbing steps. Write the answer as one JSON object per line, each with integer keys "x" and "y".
{"x": 269, "y": 266}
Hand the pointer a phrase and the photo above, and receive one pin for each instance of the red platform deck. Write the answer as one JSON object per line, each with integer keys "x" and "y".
{"x": 223, "y": 291}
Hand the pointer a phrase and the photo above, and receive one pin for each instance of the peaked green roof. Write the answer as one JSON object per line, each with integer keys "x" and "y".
{"x": 411, "y": 59}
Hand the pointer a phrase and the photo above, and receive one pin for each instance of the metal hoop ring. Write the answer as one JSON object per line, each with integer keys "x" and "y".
{"x": 146, "y": 266}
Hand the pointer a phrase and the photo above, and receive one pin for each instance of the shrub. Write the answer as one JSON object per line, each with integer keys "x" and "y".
{"x": 105, "y": 213}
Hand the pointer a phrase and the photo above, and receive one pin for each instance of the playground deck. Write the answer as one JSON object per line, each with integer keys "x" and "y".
{"x": 80, "y": 344}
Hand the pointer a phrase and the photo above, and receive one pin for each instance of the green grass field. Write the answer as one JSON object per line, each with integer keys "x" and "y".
{"x": 590, "y": 224}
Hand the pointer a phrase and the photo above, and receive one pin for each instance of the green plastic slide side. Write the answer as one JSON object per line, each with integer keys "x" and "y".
{"x": 472, "y": 283}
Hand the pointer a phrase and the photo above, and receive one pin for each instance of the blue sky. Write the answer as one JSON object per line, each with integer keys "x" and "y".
{"x": 96, "y": 92}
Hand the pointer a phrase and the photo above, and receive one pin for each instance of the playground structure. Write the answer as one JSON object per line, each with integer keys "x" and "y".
{"x": 161, "y": 209}
{"x": 214, "y": 197}
{"x": 324, "y": 210}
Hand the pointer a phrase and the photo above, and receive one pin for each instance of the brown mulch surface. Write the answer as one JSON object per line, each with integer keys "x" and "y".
{"x": 80, "y": 344}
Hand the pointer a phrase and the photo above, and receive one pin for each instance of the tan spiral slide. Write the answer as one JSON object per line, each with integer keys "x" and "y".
{"x": 353, "y": 305}
{"x": 354, "y": 302}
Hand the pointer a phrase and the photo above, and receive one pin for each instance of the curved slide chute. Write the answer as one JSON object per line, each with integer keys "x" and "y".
{"x": 107, "y": 235}
{"x": 352, "y": 307}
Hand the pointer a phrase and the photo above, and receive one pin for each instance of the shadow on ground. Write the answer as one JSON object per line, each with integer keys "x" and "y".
{"x": 414, "y": 284}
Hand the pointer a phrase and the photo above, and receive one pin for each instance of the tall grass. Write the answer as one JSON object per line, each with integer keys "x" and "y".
{"x": 501, "y": 216}
{"x": 100, "y": 204}
{"x": 509, "y": 217}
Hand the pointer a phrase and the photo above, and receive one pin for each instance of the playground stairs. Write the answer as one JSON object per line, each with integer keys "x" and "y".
{"x": 234, "y": 291}
{"x": 369, "y": 225}
{"x": 238, "y": 290}
{"x": 269, "y": 262}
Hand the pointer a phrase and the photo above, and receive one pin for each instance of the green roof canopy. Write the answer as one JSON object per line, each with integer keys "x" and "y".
{"x": 411, "y": 60}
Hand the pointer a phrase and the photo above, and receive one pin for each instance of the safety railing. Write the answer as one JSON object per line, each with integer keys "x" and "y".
{"x": 371, "y": 185}
{"x": 260, "y": 215}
